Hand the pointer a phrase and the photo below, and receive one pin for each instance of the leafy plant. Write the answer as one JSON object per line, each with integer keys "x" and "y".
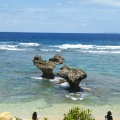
{"x": 18, "y": 118}
{"x": 78, "y": 114}
{"x": 45, "y": 119}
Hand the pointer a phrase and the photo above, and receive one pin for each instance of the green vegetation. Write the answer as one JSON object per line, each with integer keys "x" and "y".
{"x": 18, "y": 118}
{"x": 78, "y": 114}
{"x": 45, "y": 119}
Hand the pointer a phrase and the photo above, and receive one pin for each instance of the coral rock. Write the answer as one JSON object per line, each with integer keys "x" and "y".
{"x": 47, "y": 67}
{"x": 72, "y": 76}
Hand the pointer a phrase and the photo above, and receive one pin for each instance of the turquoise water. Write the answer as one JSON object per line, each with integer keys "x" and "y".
{"x": 23, "y": 91}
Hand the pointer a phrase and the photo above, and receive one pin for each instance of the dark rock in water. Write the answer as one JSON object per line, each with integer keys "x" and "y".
{"x": 47, "y": 67}
{"x": 72, "y": 76}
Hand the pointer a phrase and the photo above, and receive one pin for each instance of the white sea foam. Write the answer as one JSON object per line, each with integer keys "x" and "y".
{"x": 74, "y": 46}
{"x": 87, "y": 47}
{"x": 65, "y": 84}
{"x": 29, "y": 44}
{"x": 116, "y": 52}
{"x": 46, "y": 50}
{"x": 96, "y": 49}
{"x": 58, "y": 50}
{"x": 37, "y": 78}
{"x": 90, "y": 51}
{"x": 103, "y": 52}
{"x": 55, "y": 80}
{"x": 9, "y": 47}
{"x": 108, "y": 47}
{"x": 76, "y": 96}
{"x": 50, "y": 50}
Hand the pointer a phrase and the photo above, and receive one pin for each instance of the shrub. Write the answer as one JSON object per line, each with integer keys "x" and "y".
{"x": 18, "y": 118}
{"x": 45, "y": 119}
{"x": 78, "y": 114}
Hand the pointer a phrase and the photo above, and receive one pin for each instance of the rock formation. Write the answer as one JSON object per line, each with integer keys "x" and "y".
{"x": 47, "y": 67}
{"x": 72, "y": 76}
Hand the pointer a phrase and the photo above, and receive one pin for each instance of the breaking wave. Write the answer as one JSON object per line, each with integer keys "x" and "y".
{"x": 74, "y": 46}
{"x": 91, "y": 48}
{"x": 50, "y": 50}
{"x": 80, "y": 46}
{"x": 9, "y": 47}
{"x": 29, "y": 44}
{"x": 17, "y": 46}
{"x": 103, "y": 52}
{"x": 94, "y": 49}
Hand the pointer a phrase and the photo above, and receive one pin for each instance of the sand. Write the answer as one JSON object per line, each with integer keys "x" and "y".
{"x": 56, "y": 111}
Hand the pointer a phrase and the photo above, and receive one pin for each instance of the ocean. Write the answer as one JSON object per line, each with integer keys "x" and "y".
{"x": 23, "y": 91}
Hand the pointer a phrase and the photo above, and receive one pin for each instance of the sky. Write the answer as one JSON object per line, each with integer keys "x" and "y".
{"x": 60, "y": 16}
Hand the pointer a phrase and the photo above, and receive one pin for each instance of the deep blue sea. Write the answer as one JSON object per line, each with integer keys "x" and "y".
{"x": 22, "y": 89}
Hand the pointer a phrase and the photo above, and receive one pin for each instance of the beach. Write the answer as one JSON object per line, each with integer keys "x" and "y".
{"x": 57, "y": 111}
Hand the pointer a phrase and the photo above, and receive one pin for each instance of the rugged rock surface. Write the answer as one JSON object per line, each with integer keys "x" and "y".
{"x": 57, "y": 59}
{"x": 72, "y": 76}
{"x": 47, "y": 67}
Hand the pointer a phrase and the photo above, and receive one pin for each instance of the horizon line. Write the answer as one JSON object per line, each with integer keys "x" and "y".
{"x": 65, "y": 32}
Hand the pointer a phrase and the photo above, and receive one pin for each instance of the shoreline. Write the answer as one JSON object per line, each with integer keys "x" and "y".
{"x": 56, "y": 112}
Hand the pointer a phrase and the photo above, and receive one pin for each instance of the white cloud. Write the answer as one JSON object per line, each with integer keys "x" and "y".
{"x": 107, "y": 2}
{"x": 99, "y": 2}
